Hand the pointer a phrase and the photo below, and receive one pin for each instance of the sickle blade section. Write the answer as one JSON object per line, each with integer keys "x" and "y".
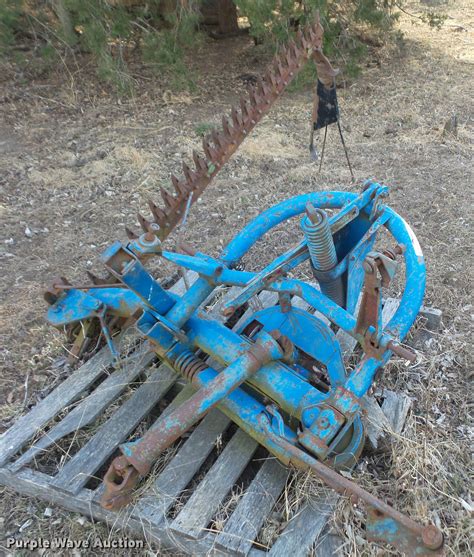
{"x": 220, "y": 146}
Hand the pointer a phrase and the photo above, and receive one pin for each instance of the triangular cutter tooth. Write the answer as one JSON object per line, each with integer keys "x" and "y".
{"x": 158, "y": 214}
{"x": 146, "y": 225}
{"x": 245, "y": 109}
{"x": 131, "y": 235}
{"x": 188, "y": 174}
{"x": 300, "y": 38}
{"x": 217, "y": 145}
{"x": 236, "y": 117}
{"x": 269, "y": 77}
{"x": 199, "y": 161}
{"x": 252, "y": 95}
{"x": 226, "y": 127}
{"x": 211, "y": 153}
{"x": 218, "y": 140}
{"x": 168, "y": 198}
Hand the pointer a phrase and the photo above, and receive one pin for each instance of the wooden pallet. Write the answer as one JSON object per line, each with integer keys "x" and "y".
{"x": 177, "y": 506}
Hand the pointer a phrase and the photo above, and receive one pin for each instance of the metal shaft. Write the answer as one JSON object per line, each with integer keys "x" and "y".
{"x": 142, "y": 454}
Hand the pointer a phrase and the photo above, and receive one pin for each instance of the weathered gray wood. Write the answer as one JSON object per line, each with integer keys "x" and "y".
{"x": 432, "y": 317}
{"x": 245, "y": 522}
{"x": 383, "y": 421}
{"x": 66, "y": 393}
{"x": 396, "y": 407}
{"x": 77, "y": 471}
{"x": 304, "y": 529}
{"x": 376, "y": 423}
{"x": 329, "y": 545}
{"x": 203, "y": 503}
{"x": 181, "y": 397}
{"x": 158, "y": 499}
{"x": 92, "y": 406}
{"x": 241, "y": 528}
{"x": 35, "y": 484}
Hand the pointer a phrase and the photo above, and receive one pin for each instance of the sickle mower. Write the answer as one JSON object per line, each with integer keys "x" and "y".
{"x": 282, "y": 377}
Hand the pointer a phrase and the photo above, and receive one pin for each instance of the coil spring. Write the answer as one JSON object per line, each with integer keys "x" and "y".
{"x": 322, "y": 252}
{"x": 188, "y": 364}
{"x": 320, "y": 243}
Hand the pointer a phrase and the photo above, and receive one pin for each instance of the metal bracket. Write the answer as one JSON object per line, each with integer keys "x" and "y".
{"x": 369, "y": 319}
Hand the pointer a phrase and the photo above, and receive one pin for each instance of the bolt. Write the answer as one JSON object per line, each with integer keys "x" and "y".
{"x": 323, "y": 422}
{"x": 315, "y": 216}
{"x": 368, "y": 266}
{"x": 432, "y": 537}
{"x": 227, "y": 312}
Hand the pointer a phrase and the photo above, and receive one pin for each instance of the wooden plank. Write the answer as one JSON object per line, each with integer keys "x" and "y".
{"x": 35, "y": 484}
{"x": 396, "y": 407}
{"x": 329, "y": 544}
{"x": 77, "y": 471}
{"x": 205, "y": 500}
{"x": 178, "y": 473}
{"x": 161, "y": 496}
{"x": 181, "y": 397}
{"x": 377, "y": 423}
{"x": 432, "y": 317}
{"x": 92, "y": 406}
{"x": 304, "y": 529}
{"x": 66, "y": 393}
{"x": 386, "y": 419}
{"x": 245, "y": 522}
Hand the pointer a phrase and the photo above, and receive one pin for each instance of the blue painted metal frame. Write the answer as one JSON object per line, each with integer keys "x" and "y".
{"x": 329, "y": 419}
{"x": 175, "y": 323}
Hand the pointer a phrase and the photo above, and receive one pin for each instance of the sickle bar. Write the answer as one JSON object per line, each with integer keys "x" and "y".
{"x": 219, "y": 146}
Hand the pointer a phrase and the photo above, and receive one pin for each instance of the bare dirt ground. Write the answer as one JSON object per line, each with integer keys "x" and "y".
{"x": 77, "y": 164}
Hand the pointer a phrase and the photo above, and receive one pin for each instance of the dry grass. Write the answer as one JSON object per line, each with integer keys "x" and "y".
{"x": 77, "y": 168}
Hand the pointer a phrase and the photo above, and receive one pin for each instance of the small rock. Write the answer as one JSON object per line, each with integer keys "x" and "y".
{"x": 48, "y": 512}
{"x": 28, "y": 232}
{"x": 9, "y": 241}
{"x": 367, "y": 134}
{"x": 81, "y": 520}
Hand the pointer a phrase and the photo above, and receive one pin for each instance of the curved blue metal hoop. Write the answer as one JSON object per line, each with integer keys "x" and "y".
{"x": 415, "y": 271}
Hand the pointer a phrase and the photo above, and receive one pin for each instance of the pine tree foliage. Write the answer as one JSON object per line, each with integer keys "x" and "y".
{"x": 163, "y": 31}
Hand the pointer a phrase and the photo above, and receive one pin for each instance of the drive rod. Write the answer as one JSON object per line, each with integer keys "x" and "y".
{"x": 139, "y": 456}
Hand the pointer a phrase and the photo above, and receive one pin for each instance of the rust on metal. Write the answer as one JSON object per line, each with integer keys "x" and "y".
{"x": 410, "y": 536}
{"x": 124, "y": 471}
{"x": 219, "y": 146}
{"x": 119, "y": 481}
